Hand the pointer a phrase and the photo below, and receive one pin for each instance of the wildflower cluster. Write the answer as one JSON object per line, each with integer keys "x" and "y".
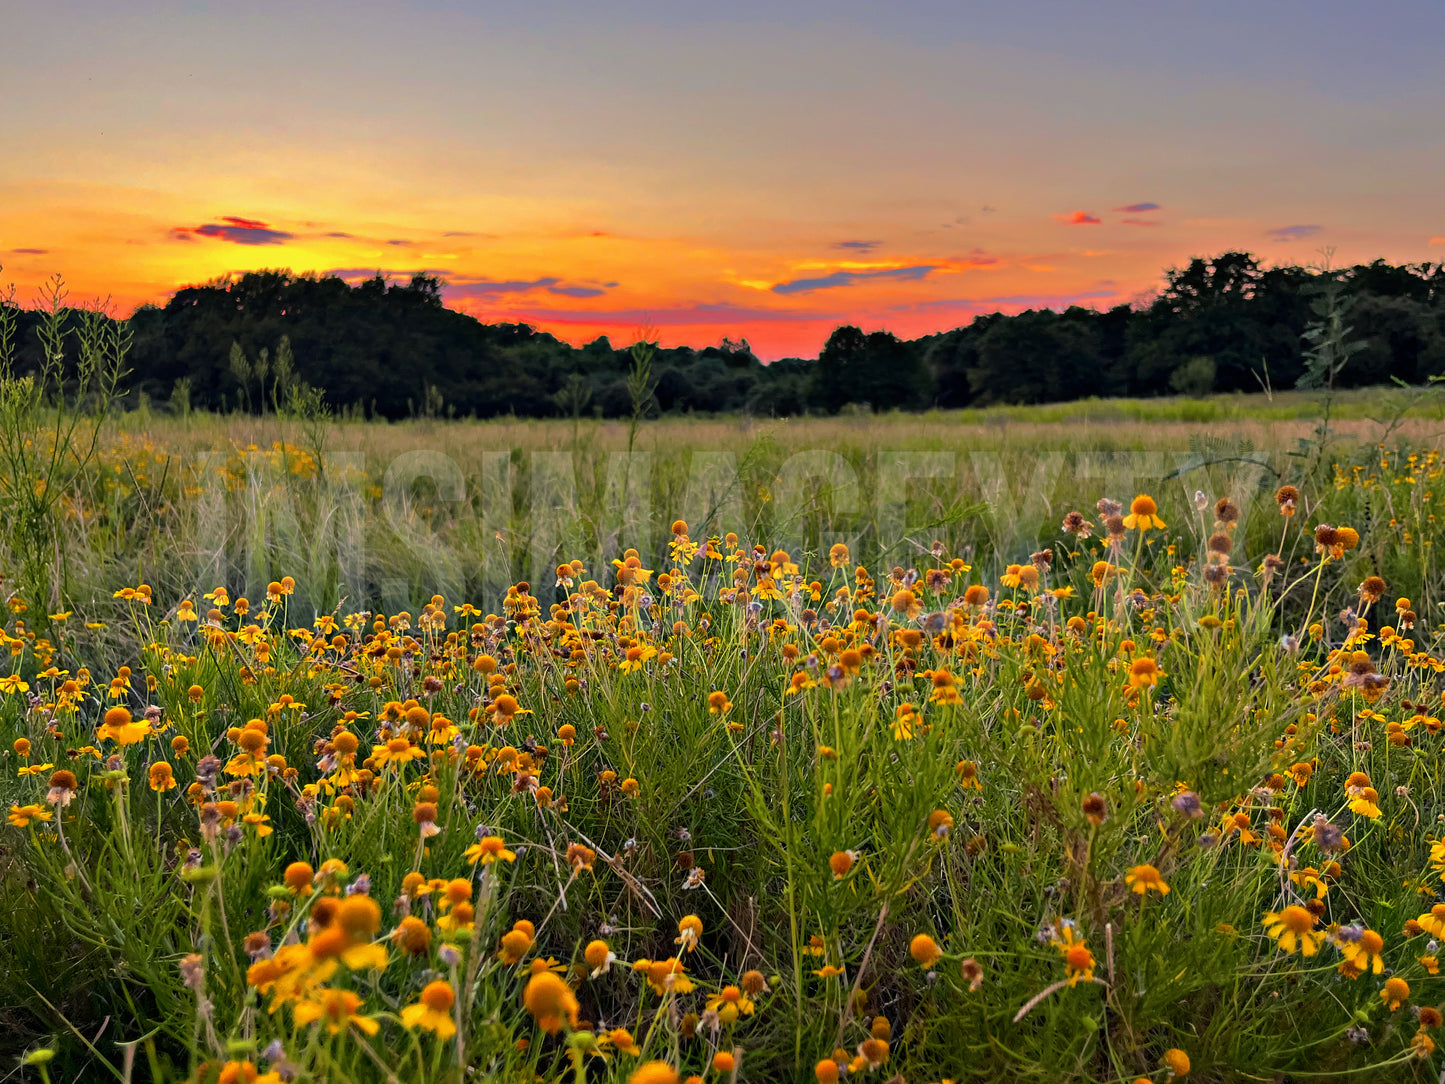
{"x": 746, "y": 810}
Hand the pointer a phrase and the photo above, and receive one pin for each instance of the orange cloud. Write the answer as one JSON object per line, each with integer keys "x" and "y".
{"x": 1080, "y": 218}
{"x": 854, "y": 272}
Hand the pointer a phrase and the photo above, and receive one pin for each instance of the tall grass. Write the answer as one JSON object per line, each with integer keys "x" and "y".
{"x": 908, "y": 747}
{"x": 382, "y": 513}
{"x": 909, "y": 820}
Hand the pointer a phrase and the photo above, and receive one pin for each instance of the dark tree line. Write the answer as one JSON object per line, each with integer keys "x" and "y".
{"x": 392, "y": 350}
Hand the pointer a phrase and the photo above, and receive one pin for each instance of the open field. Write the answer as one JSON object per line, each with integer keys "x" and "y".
{"x": 732, "y": 543}
{"x": 394, "y": 512}
{"x": 874, "y": 747}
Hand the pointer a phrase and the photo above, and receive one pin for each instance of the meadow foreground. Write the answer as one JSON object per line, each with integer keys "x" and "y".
{"x": 1142, "y": 805}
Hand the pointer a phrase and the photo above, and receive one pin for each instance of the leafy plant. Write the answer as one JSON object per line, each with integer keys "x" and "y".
{"x": 51, "y": 422}
{"x": 1327, "y": 352}
{"x": 640, "y": 385}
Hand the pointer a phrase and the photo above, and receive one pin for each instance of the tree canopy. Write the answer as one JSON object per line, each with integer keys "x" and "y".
{"x": 1225, "y": 323}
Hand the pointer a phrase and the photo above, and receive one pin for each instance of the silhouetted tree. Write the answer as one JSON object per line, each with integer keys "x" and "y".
{"x": 878, "y": 370}
{"x": 1225, "y": 323}
{"x": 1036, "y": 357}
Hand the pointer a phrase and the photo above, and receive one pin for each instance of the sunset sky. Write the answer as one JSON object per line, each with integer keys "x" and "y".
{"x": 717, "y": 169}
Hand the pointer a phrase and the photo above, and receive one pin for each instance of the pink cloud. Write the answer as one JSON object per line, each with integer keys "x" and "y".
{"x": 1080, "y": 218}
{"x": 1294, "y": 233}
{"x": 699, "y": 313}
{"x": 240, "y": 231}
{"x": 1017, "y": 302}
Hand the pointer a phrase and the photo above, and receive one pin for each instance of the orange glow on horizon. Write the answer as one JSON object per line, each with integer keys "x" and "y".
{"x": 580, "y": 269}
{"x": 717, "y": 171}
